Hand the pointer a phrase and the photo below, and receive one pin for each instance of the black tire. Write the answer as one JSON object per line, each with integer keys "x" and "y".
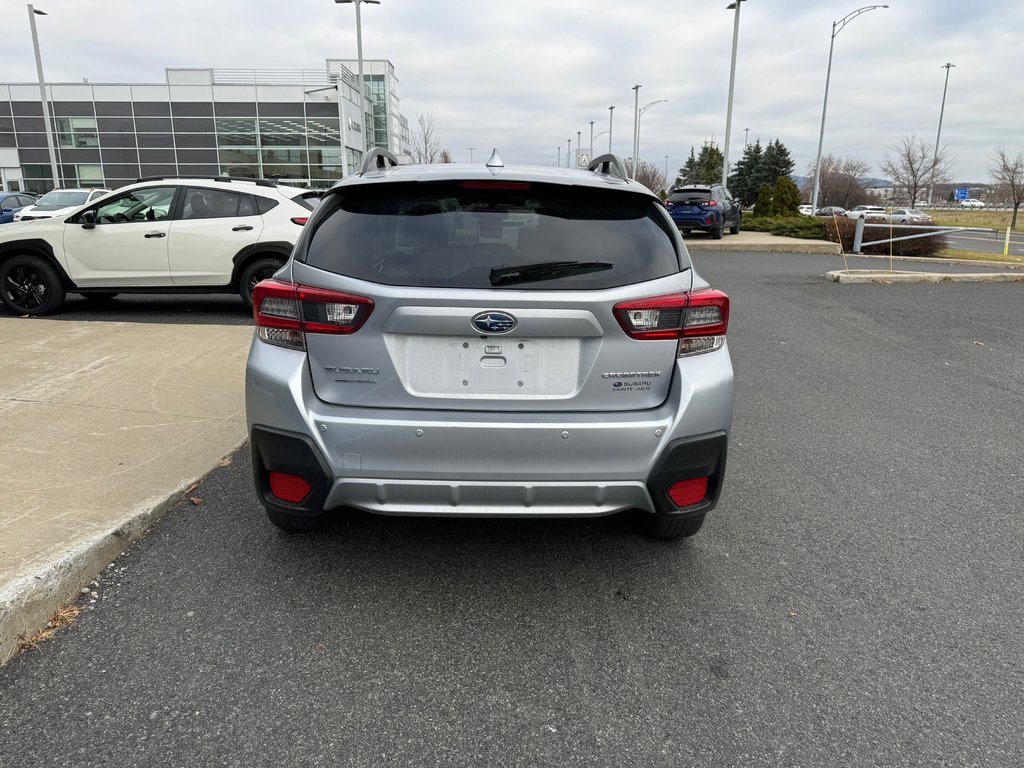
{"x": 735, "y": 228}
{"x": 297, "y": 523}
{"x": 686, "y": 232}
{"x": 30, "y": 285}
{"x": 260, "y": 269}
{"x": 670, "y": 527}
{"x": 716, "y": 233}
{"x": 99, "y": 298}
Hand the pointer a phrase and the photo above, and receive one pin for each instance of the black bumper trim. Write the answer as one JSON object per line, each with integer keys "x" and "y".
{"x": 275, "y": 450}
{"x": 702, "y": 456}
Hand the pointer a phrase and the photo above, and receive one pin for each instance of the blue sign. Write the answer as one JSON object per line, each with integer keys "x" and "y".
{"x": 961, "y": 193}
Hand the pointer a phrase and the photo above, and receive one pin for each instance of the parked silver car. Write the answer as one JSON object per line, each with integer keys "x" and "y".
{"x": 490, "y": 341}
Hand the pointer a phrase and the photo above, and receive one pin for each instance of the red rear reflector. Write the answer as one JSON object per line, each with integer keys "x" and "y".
{"x": 300, "y": 220}
{"x": 494, "y": 185}
{"x": 686, "y": 493}
{"x": 290, "y": 488}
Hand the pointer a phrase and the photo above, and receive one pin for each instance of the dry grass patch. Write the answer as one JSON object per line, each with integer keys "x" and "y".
{"x": 976, "y": 218}
{"x": 951, "y": 253}
{"x": 63, "y": 617}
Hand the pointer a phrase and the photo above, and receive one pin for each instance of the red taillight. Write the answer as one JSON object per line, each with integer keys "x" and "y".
{"x": 699, "y": 319}
{"x": 290, "y": 488}
{"x": 300, "y": 220}
{"x": 686, "y": 493}
{"x": 711, "y": 203}
{"x": 283, "y": 312}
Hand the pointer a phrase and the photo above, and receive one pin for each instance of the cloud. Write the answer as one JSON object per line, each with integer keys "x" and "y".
{"x": 525, "y": 76}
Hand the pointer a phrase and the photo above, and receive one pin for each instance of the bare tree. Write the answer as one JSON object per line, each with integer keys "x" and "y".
{"x": 1007, "y": 171}
{"x": 426, "y": 147}
{"x": 840, "y": 181}
{"x": 914, "y": 166}
{"x": 649, "y": 175}
{"x": 445, "y": 157}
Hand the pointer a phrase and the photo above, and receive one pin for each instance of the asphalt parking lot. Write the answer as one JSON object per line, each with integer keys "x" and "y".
{"x": 854, "y": 600}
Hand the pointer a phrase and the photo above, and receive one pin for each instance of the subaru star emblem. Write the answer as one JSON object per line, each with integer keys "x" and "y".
{"x": 494, "y": 322}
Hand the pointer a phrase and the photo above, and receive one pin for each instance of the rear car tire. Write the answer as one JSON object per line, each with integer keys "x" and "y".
{"x": 670, "y": 527}
{"x": 261, "y": 269}
{"x": 297, "y": 523}
{"x": 30, "y": 285}
{"x": 735, "y": 228}
{"x": 716, "y": 233}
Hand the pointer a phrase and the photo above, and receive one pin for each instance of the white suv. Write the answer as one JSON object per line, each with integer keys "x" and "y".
{"x": 57, "y": 202}
{"x": 160, "y": 235}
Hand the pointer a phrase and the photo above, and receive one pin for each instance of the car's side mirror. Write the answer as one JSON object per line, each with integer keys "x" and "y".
{"x": 88, "y": 220}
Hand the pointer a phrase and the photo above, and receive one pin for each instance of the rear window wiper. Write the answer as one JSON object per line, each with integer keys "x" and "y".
{"x": 545, "y": 270}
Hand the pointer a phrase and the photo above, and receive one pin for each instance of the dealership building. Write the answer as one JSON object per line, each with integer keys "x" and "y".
{"x": 299, "y": 126}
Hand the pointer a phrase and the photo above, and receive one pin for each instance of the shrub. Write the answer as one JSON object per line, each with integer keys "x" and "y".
{"x": 786, "y": 200}
{"x": 805, "y": 227}
{"x": 924, "y": 246}
{"x": 764, "y": 205}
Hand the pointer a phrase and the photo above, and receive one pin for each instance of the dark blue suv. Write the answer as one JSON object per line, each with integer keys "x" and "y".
{"x": 708, "y": 207}
{"x": 12, "y": 202}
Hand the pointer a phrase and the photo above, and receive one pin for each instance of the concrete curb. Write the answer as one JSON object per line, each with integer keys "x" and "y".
{"x": 820, "y": 247}
{"x": 881, "y": 277}
{"x": 931, "y": 260}
{"x": 28, "y": 603}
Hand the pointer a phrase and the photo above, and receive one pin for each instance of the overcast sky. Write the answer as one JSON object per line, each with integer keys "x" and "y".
{"x": 526, "y": 75}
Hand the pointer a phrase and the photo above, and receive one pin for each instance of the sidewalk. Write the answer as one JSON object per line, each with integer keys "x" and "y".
{"x": 103, "y": 425}
{"x": 759, "y": 241}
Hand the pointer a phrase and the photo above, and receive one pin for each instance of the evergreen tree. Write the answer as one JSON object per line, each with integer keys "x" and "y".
{"x": 776, "y": 163}
{"x": 763, "y": 206}
{"x": 744, "y": 182}
{"x": 709, "y": 163}
{"x": 688, "y": 174}
{"x": 786, "y": 200}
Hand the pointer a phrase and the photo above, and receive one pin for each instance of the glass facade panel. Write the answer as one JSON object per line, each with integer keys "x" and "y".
{"x": 193, "y": 125}
{"x": 165, "y": 140}
{"x": 90, "y": 175}
{"x": 285, "y": 156}
{"x": 116, "y": 124}
{"x": 285, "y": 171}
{"x": 239, "y": 157}
{"x": 241, "y": 171}
{"x": 282, "y": 133}
{"x": 77, "y": 132}
{"x": 152, "y": 125}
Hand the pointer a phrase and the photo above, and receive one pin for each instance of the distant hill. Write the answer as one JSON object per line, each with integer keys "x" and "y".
{"x": 807, "y": 181}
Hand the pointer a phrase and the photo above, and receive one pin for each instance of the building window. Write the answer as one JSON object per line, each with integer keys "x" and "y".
{"x": 283, "y": 132}
{"x": 77, "y": 132}
{"x": 90, "y": 175}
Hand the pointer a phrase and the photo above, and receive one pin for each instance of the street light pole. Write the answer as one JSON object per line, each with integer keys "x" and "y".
{"x": 732, "y": 83}
{"x": 471, "y": 153}
{"x": 746, "y": 135}
{"x": 591, "y": 139}
{"x": 636, "y": 122}
{"x": 935, "y": 158}
{"x": 362, "y": 83}
{"x": 579, "y": 144}
{"x": 611, "y": 112}
{"x": 32, "y": 13}
{"x": 568, "y": 152}
{"x": 837, "y": 27}
{"x": 636, "y": 147}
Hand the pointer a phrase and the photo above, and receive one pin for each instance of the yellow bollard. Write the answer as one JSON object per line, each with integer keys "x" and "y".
{"x": 1006, "y": 243}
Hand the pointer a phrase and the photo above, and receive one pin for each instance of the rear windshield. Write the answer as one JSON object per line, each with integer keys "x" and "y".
{"x": 475, "y": 235}
{"x": 690, "y": 196}
{"x": 63, "y": 198}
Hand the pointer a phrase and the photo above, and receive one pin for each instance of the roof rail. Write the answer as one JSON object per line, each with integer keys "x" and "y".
{"x": 377, "y": 159}
{"x": 257, "y": 182}
{"x": 608, "y": 165}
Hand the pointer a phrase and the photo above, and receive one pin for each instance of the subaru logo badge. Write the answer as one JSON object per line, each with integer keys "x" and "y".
{"x": 493, "y": 322}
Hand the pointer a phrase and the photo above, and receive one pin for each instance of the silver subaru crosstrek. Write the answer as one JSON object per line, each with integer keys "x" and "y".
{"x": 482, "y": 340}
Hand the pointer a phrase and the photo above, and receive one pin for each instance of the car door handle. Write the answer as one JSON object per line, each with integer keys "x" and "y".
{"x": 241, "y": 228}
{"x": 155, "y": 234}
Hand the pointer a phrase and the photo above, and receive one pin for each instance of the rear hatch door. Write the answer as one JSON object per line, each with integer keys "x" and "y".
{"x": 492, "y": 296}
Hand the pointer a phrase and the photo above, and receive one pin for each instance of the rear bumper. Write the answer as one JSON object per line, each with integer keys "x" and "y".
{"x": 459, "y": 463}
{"x": 697, "y": 221}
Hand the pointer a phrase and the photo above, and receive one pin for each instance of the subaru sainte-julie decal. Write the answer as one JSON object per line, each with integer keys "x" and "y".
{"x": 493, "y": 322}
